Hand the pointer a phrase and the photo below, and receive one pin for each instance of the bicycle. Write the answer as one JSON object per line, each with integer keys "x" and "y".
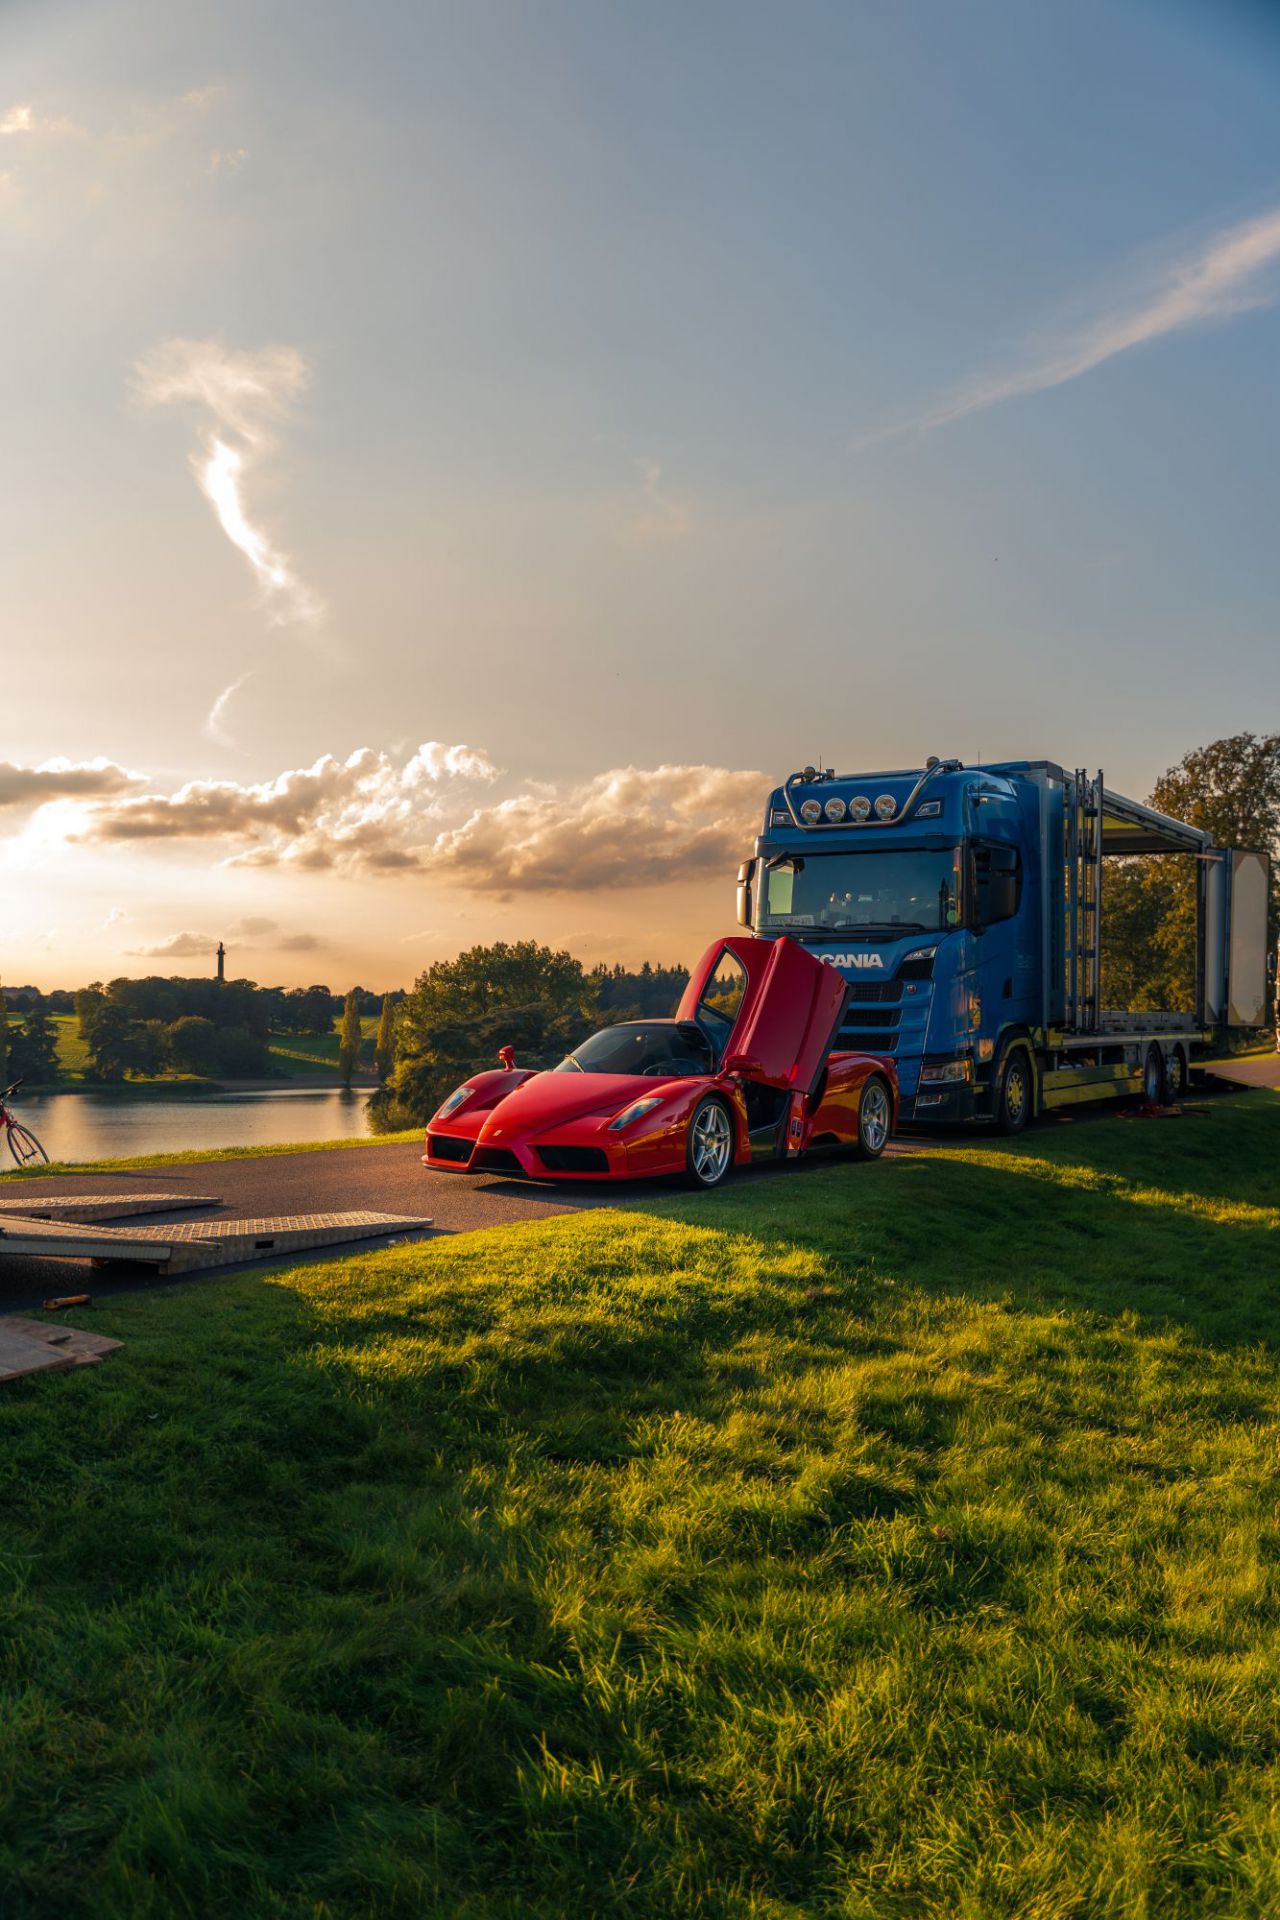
{"x": 23, "y": 1144}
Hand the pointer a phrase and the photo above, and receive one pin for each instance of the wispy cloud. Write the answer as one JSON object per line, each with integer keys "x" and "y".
{"x": 663, "y": 517}
{"x": 215, "y": 720}
{"x": 243, "y": 398}
{"x": 1228, "y": 276}
{"x": 24, "y": 119}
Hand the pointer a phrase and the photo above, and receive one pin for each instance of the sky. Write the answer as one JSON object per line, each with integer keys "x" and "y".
{"x": 458, "y": 458}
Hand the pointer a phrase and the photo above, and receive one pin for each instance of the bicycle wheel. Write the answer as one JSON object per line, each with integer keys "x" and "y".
{"x": 24, "y": 1146}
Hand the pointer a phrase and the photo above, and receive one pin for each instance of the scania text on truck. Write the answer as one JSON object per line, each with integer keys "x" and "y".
{"x": 964, "y": 908}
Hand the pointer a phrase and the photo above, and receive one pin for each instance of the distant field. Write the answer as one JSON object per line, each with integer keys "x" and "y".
{"x": 297, "y": 1055}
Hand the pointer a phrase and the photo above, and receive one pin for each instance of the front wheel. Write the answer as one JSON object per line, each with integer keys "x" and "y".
{"x": 1016, "y": 1093}
{"x": 1153, "y": 1077}
{"x": 875, "y": 1119}
{"x": 24, "y": 1146}
{"x": 709, "y": 1152}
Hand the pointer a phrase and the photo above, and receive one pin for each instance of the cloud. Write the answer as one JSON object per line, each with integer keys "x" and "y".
{"x": 365, "y": 813}
{"x": 250, "y": 932}
{"x": 179, "y": 946}
{"x": 116, "y": 917}
{"x": 60, "y": 779}
{"x": 628, "y": 825}
{"x": 242, "y": 399}
{"x": 663, "y": 518}
{"x": 228, "y": 159}
{"x": 24, "y": 120}
{"x": 1223, "y": 279}
{"x": 215, "y": 719}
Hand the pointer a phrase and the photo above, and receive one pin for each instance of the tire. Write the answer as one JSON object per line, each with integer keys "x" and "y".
{"x": 24, "y": 1146}
{"x": 1153, "y": 1077}
{"x": 875, "y": 1117}
{"x": 1176, "y": 1075}
{"x": 709, "y": 1144}
{"x": 1015, "y": 1100}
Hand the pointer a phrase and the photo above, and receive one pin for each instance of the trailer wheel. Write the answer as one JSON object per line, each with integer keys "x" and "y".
{"x": 1176, "y": 1075}
{"x": 1016, "y": 1097}
{"x": 1153, "y": 1077}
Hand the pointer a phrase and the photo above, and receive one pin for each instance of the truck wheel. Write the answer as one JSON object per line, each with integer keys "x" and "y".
{"x": 1153, "y": 1077}
{"x": 709, "y": 1148}
{"x": 1176, "y": 1075}
{"x": 1017, "y": 1092}
{"x": 875, "y": 1118}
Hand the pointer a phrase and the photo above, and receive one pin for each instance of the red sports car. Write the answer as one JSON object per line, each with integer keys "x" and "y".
{"x": 743, "y": 1072}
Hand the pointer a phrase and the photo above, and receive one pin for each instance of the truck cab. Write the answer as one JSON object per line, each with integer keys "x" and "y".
{"x": 962, "y": 906}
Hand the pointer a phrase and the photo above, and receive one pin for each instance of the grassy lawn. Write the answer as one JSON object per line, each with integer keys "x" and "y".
{"x": 872, "y": 1541}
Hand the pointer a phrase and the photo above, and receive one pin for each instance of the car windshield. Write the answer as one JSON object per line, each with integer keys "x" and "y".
{"x": 907, "y": 890}
{"x": 653, "y": 1048}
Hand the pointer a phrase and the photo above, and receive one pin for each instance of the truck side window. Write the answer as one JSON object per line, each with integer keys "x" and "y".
{"x": 997, "y": 884}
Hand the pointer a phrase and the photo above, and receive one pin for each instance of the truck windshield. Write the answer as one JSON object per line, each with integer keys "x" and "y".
{"x": 903, "y": 890}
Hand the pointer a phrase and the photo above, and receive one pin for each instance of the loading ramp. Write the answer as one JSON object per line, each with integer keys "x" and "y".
{"x": 196, "y": 1244}
{"x": 101, "y": 1206}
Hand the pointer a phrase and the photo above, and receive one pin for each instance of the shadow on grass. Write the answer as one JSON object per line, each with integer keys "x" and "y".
{"x": 707, "y": 1559}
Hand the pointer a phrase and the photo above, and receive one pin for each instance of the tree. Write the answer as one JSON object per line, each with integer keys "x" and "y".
{"x": 461, "y": 1011}
{"x": 349, "y": 1037}
{"x": 192, "y": 1044}
{"x": 4, "y": 1040}
{"x": 1231, "y": 790}
{"x": 33, "y": 1050}
{"x": 119, "y": 1045}
{"x": 384, "y": 1046}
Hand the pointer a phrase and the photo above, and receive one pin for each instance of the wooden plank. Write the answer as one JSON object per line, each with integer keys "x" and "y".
{"x": 20, "y": 1355}
{"x": 56, "y": 1333}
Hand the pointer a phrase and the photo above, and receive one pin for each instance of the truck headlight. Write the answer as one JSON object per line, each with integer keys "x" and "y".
{"x": 947, "y": 1073}
{"x": 636, "y": 1111}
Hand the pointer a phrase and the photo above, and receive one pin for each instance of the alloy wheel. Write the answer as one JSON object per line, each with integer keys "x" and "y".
{"x": 712, "y": 1143}
{"x": 874, "y": 1117}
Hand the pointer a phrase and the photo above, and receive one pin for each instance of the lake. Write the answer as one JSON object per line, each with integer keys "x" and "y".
{"x": 104, "y": 1126}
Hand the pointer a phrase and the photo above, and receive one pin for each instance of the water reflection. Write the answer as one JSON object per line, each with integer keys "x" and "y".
{"x": 104, "y": 1126}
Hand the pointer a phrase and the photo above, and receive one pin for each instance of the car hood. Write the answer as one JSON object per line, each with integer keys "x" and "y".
{"x": 551, "y": 1099}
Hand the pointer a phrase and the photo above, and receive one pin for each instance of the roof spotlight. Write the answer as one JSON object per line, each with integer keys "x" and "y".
{"x": 811, "y": 811}
{"x": 860, "y": 807}
{"x": 886, "y": 807}
{"x": 835, "y": 809}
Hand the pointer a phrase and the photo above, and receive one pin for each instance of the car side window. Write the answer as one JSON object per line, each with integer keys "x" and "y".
{"x": 722, "y": 999}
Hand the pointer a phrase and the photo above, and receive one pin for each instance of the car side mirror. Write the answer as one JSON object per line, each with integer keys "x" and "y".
{"x": 746, "y": 878}
{"x": 507, "y": 1055}
{"x": 739, "y": 1063}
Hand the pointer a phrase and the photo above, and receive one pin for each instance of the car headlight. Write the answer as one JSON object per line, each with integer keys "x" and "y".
{"x": 635, "y": 1111}
{"x": 454, "y": 1101}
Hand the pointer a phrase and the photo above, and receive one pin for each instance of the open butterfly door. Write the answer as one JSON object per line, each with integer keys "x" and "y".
{"x": 790, "y": 1016}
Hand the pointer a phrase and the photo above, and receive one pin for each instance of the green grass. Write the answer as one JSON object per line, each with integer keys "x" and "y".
{"x": 872, "y": 1541}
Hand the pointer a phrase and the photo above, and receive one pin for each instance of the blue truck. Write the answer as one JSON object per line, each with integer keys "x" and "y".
{"x": 964, "y": 907}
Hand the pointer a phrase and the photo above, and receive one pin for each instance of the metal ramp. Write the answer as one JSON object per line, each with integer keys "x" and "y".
{"x": 101, "y": 1206}
{"x": 194, "y": 1244}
